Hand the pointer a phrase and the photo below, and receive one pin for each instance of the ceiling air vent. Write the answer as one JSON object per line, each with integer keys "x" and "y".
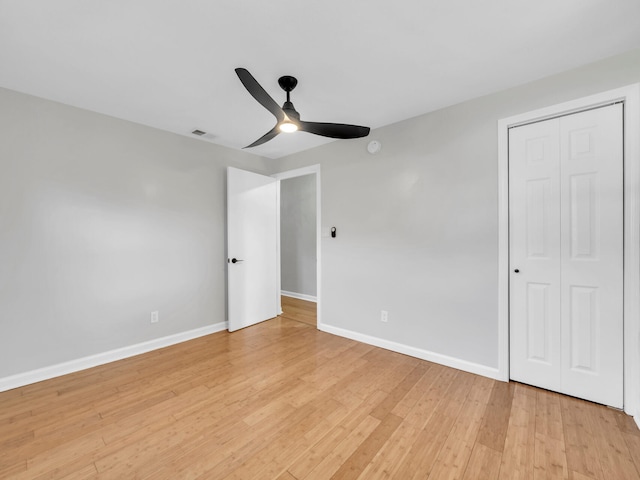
{"x": 199, "y": 132}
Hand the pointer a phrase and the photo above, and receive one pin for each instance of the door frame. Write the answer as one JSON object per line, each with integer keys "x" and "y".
{"x": 630, "y": 95}
{"x": 299, "y": 172}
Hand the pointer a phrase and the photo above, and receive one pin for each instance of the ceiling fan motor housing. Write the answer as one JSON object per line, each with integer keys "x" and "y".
{"x": 290, "y": 110}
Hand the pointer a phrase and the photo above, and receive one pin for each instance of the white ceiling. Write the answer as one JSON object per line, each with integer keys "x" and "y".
{"x": 170, "y": 63}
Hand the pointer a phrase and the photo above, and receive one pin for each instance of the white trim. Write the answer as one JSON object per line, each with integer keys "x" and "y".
{"x": 46, "y": 373}
{"x": 278, "y": 256}
{"x": 503, "y": 251}
{"x": 299, "y": 172}
{"x": 413, "y": 352}
{"x": 630, "y": 95}
{"x": 299, "y": 296}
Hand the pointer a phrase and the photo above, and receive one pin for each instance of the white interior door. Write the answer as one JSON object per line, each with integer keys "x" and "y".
{"x": 534, "y": 210}
{"x": 252, "y": 228}
{"x": 566, "y": 254}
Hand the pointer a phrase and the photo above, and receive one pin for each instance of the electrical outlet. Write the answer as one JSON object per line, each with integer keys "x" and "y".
{"x": 384, "y": 316}
{"x": 154, "y": 317}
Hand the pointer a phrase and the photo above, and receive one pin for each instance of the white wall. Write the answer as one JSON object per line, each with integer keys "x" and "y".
{"x": 418, "y": 222}
{"x": 101, "y": 222}
{"x": 298, "y": 234}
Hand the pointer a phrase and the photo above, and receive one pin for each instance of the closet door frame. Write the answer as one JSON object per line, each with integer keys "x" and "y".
{"x": 630, "y": 96}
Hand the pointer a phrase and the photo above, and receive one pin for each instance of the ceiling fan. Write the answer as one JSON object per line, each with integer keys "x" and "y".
{"x": 288, "y": 119}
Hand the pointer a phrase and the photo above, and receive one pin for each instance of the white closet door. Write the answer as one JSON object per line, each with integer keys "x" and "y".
{"x": 566, "y": 214}
{"x": 592, "y": 248}
{"x": 534, "y": 210}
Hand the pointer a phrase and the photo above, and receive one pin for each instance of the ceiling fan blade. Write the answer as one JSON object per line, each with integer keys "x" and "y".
{"x": 334, "y": 130}
{"x": 259, "y": 93}
{"x": 266, "y": 137}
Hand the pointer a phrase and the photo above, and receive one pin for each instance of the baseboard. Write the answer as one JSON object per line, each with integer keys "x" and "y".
{"x": 299, "y": 296}
{"x": 22, "y": 379}
{"x": 414, "y": 352}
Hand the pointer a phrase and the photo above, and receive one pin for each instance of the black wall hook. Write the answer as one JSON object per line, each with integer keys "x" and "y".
{"x": 333, "y": 232}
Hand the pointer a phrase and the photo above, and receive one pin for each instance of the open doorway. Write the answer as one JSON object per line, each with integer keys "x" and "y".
{"x": 299, "y": 244}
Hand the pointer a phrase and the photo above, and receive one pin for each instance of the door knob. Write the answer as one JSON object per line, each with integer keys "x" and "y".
{"x": 235, "y": 260}
{"x": 517, "y": 270}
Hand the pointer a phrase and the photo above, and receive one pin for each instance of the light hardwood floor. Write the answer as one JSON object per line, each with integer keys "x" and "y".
{"x": 299, "y": 310}
{"x": 282, "y": 400}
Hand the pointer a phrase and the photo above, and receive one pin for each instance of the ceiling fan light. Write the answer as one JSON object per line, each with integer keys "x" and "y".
{"x": 288, "y": 127}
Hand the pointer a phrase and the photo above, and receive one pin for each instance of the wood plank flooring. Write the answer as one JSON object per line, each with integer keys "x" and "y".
{"x": 299, "y": 310}
{"x": 284, "y": 401}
